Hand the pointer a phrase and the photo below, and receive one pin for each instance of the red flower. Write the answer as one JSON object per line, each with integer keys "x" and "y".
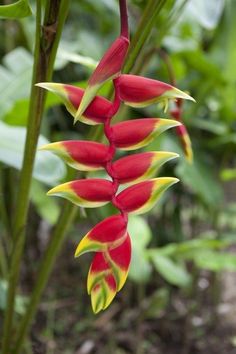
{"x": 109, "y": 238}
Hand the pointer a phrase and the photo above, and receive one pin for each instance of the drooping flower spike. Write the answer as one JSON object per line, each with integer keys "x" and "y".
{"x": 109, "y": 239}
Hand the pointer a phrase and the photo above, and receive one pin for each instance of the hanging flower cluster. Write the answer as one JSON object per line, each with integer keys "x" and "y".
{"x": 109, "y": 239}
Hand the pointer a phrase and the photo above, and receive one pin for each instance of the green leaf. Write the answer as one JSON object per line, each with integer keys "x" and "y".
{"x": 48, "y": 168}
{"x": 47, "y": 208}
{"x": 216, "y": 261}
{"x": 140, "y": 234}
{"x": 173, "y": 272}
{"x": 228, "y": 174}
{"x": 207, "y": 13}
{"x": 201, "y": 179}
{"x": 19, "y": 9}
{"x": 139, "y": 231}
{"x": 15, "y": 78}
{"x": 64, "y": 56}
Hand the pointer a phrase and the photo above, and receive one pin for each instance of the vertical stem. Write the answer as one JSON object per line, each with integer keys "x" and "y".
{"x": 3, "y": 261}
{"x": 144, "y": 28}
{"x": 66, "y": 218}
{"x": 124, "y": 27}
{"x": 46, "y": 43}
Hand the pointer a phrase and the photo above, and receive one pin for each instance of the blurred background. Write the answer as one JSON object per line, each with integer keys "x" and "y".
{"x": 180, "y": 297}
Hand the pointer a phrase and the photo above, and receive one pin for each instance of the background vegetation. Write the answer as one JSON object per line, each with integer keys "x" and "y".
{"x": 180, "y": 296}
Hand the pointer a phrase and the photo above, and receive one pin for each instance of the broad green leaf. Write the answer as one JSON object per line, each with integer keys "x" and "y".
{"x": 140, "y": 233}
{"x": 140, "y": 267}
{"x": 228, "y": 174}
{"x": 188, "y": 249}
{"x": 15, "y": 78}
{"x": 47, "y": 208}
{"x": 173, "y": 272}
{"x": 64, "y": 56}
{"x": 201, "y": 179}
{"x": 48, "y": 168}
{"x": 18, "y": 9}
{"x": 207, "y": 13}
{"x": 216, "y": 261}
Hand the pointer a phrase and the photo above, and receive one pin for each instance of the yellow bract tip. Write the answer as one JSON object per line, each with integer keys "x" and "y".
{"x": 58, "y": 190}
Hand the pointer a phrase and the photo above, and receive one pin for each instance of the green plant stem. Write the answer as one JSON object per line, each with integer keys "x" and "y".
{"x": 3, "y": 261}
{"x": 145, "y": 26}
{"x": 4, "y": 210}
{"x": 46, "y": 44}
{"x": 65, "y": 220}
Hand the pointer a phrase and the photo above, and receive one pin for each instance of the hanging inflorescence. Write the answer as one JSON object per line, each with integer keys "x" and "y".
{"x": 109, "y": 239}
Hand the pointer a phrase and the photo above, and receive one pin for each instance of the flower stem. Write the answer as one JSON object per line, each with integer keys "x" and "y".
{"x": 124, "y": 27}
{"x": 46, "y": 43}
{"x": 148, "y": 20}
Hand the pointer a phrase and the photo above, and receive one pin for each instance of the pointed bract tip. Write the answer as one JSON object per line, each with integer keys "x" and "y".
{"x": 87, "y": 98}
{"x": 86, "y": 245}
{"x": 167, "y": 154}
{"x": 168, "y": 122}
{"x": 176, "y": 93}
{"x": 44, "y": 147}
{"x": 58, "y": 190}
{"x": 165, "y": 180}
{"x": 50, "y": 86}
{"x": 49, "y": 147}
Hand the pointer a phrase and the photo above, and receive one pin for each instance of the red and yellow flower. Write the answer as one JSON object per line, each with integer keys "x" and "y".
{"x": 109, "y": 239}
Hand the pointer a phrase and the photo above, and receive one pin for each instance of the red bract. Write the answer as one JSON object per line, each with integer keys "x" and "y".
{"x": 79, "y": 154}
{"x": 108, "y": 234}
{"x": 72, "y": 96}
{"x": 134, "y": 134}
{"x": 140, "y": 91}
{"x": 108, "y": 68}
{"x": 109, "y": 238}
{"x": 141, "y": 197}
{"x": 88, "y": 193}
{"x": 144, "y": 165}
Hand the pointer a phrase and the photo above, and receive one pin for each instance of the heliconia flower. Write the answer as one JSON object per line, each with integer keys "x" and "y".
{"x": 79, "y": 154}
{"x": 138, "y": 167}
{"x": 108, "y": 68}
{"x": 108, "y": 273}
{"x": 186, "y": 142}
{"x": 138, "y": 91}
{"x": 72, "y": 96}
{"x": 88, "y": 193}
{"x": 107, "y": 234}
{"x": 136, "y": 133}
{"x": 141, "y": 197}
